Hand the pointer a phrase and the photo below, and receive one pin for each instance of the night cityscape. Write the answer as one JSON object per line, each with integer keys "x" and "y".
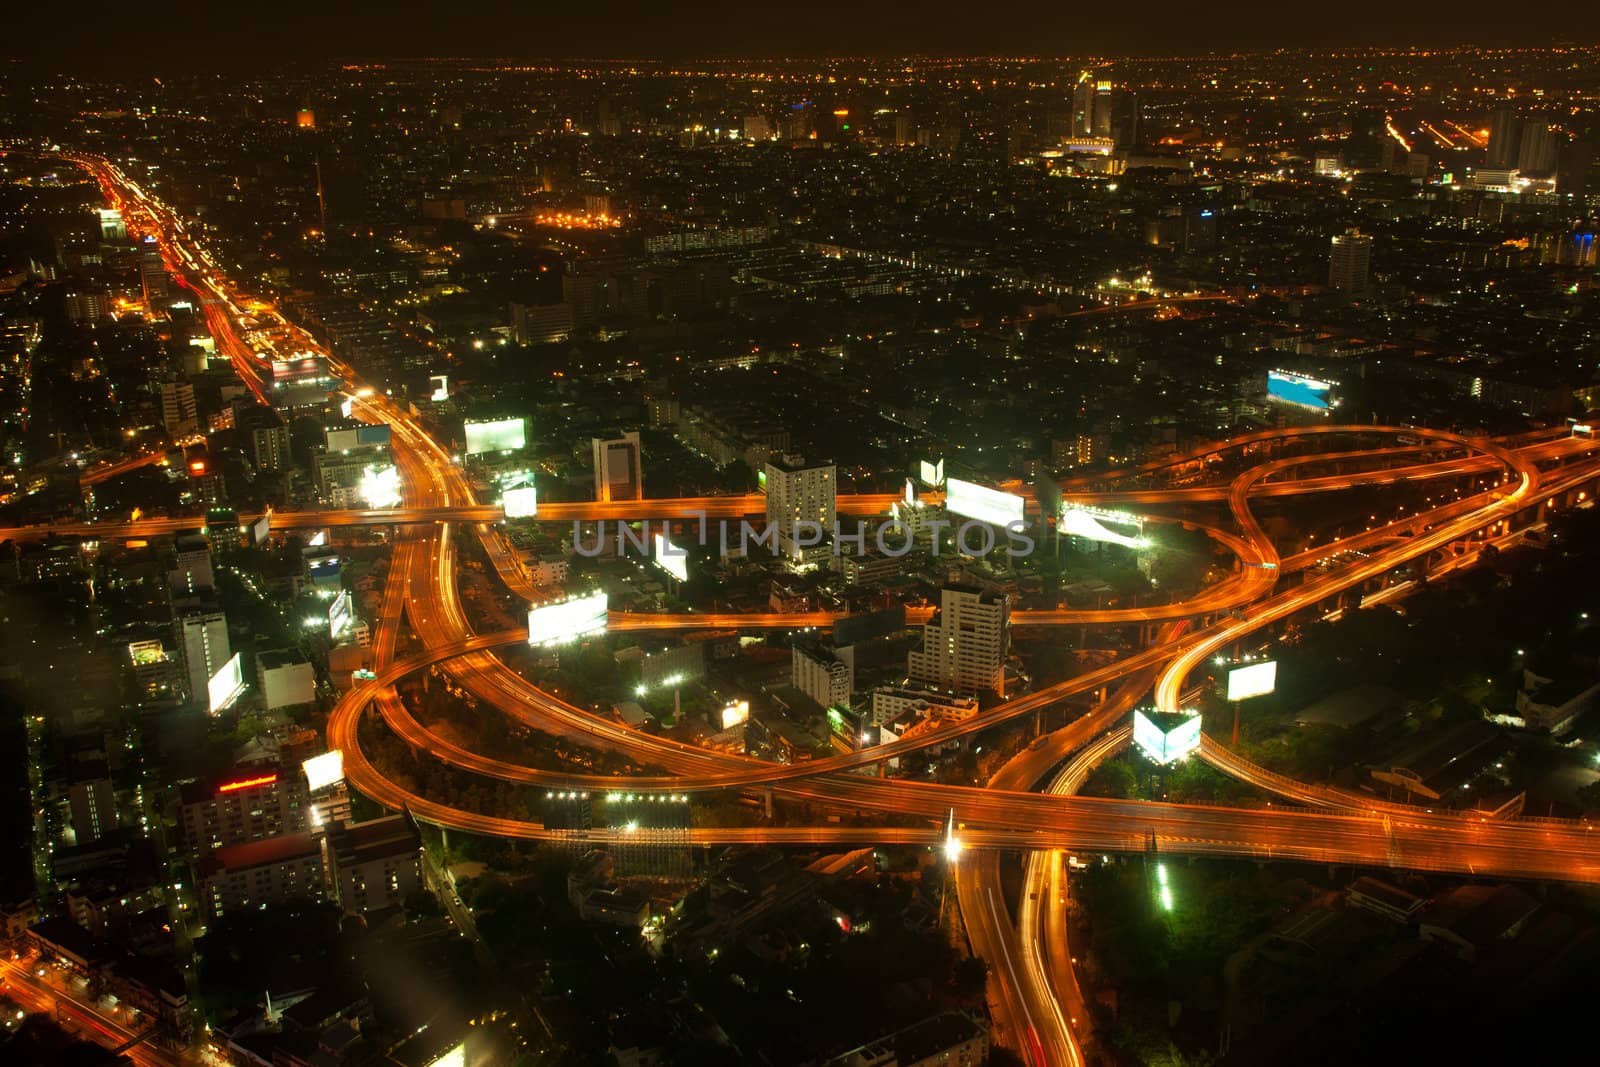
{"x": 822, "y": 537}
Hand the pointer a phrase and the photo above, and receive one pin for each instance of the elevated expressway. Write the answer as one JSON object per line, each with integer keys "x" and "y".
{"x": 1007, "y": 816}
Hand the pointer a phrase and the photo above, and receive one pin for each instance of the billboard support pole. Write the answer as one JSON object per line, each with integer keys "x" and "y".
{"x": 1235, "y": 724}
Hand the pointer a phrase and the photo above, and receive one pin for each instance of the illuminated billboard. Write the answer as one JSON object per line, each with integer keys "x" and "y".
{"x": 341, "y": 616}
{"x": 439, "y": 384}
{"x": 735, "y": 714}
{"x": 225, "y": 686}
{"x": 498, "y": 435}
{"x": 670, "y": 558}
{"x": 1299, "y": 390}
{"x": 1252, "y": 680}
{"x": 1112, "y": 527}
{"x": 380, "y": 487}
{"x": 567, "y": 620}
{"x": 522, "y": 503}
{"x": 324, "y": 770}
{"x": 302, "y": 370}
{"x": 984, "y": 504}
{"x": 1166, "y": 738}
{"x": 932, "y": 474}
{"x": 261, "y": 529}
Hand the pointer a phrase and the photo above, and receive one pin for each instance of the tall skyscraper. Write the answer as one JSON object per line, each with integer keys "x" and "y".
{"x": 1083, "y": 106}
{"x": 203, "y": 646}
{"x": 179, "y": 415}
{"x": 1538, "y": 151}
{"x": 152, "y": 277}
{"x": 964, "y": 645}
{"x": 1104, "y": 94}
{"x": 1349, "y": 262}
{"x": 1505, "y": 136}
{"x": 618, "y": 472}
{"x": 191, "y": 575}
{"x": 798, "y": 492}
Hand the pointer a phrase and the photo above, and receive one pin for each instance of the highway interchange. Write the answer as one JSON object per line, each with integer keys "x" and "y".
{"x": 1033, "y": 992}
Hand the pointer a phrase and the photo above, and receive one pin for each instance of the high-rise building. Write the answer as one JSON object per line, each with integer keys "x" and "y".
{"x": 112, "y": 227}
{"x": 1349, "y": 262}
{"x": 269, "y": 437}
{"x": 1572, "y": 173}
{"x": 203, "y": 647}
{"x": 1539, "y": 149}
{"x": 1083, "y": 106}
{"x": 964, "y": 645}
{"x": 152, "y": 278}
{"x": 191, "y": 574}
{"x": 1104, "y": 93}
{"x": 799, "y": 492}
{"x": 1127, "y": 119}
{"x": 1505, "y": 137}
{"x": 179, "y": 414}
{"x": 374, "y": 864}
{"x": 94, "y": 811}
{"x": 825, "y": 674}
{"x": 252, "y": 803}
{"x": 618, "y": 471}
{"x": 251, "y": 876}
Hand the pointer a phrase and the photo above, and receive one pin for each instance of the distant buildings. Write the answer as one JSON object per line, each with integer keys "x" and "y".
{"x": 964, "y": 645}
{"x": 618, "y": 469}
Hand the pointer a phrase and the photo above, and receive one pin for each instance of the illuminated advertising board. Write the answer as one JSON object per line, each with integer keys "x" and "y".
{"x": 567, "y": 620}
{"x": 322, "y": 567}
{"x": 225, "y": 686}
{"x": 735, "y": 714}
{"x": 341, "y": 616}
{"x": 263, "y": 527}
{"x": 520, "y": 503}
{"x": 324, "y": 770}
{"x": 1299, "y": 390}
{"x": 345, "y": 438}
{"x": 932, "y": 474}
{"x": 1166, "y": 745}
{"x": 498, "y": 435}
{"x": 1252, "y": 680}
{"x": 670, "y": 558}
{"x": 302, "y": 370}
{"x": 1112, "y": 527}
{"x": 982, "y": 503}
{"x": 380, "y": 487}
{"x": 439, "y": 384}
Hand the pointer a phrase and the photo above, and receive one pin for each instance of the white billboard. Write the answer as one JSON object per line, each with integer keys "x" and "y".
{"x": 1166, "y": 746}
{"x": 670, "y": 558}
{"x": 262, "y": 529}
{"x": 567, "y": 620}
{"x": 225, "y": 686}
{"x": 1253, "y": 680}
{"x": 521, "y": 503}
{"x": 440, "y": 386}
{"x": 498, "y": 435}
{"x": 984, "y": 504}
{"x": 932, "y": 474}
{"x": 735, "y": 714}
{"x": 324, "y": 770}
{"x": 1112, "y": 527}
{"x": 341, "y": 616}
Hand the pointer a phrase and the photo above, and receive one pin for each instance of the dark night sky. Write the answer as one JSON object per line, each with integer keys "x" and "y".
{"x": 222, "y": 32}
